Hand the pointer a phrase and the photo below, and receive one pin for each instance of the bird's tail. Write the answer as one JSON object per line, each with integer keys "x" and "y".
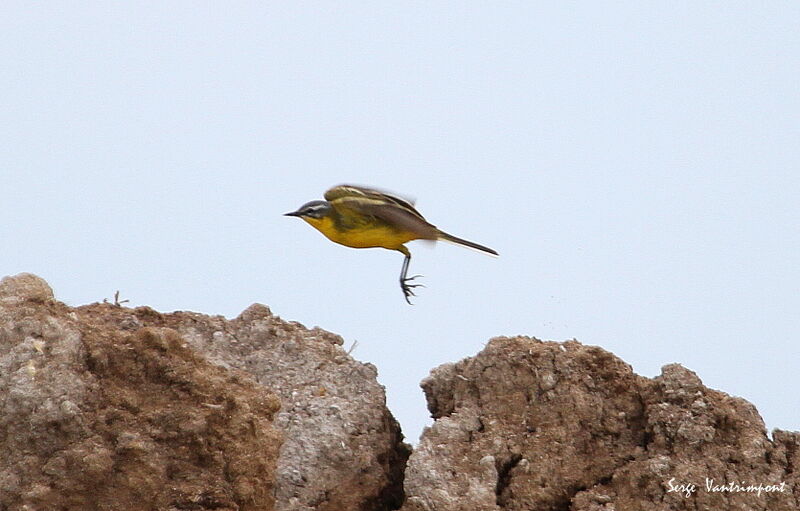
{"x": 458, "y": 241}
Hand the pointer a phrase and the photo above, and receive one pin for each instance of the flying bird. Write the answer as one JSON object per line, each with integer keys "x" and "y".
{"x": 360, "y": 217}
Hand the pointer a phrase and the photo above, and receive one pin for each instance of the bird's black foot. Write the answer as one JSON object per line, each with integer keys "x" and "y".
{"x": 408, "y": 289}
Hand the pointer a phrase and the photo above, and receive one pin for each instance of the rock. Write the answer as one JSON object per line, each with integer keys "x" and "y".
{"x": 342, "y": 447}
{"x": 106, "y": 407}
{"x": 112, "y": 408}
{"x": 708, "y": 439}
{"x": 24, "y": 287}
{"x": 527, "y": 425}
{"x": 93, "y": 417}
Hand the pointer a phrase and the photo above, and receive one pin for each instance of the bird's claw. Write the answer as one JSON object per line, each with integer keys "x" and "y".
{"x": 408, "y": 289}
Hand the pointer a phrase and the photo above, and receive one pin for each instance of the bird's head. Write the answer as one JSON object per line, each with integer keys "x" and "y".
{"x": 313, "y": 212}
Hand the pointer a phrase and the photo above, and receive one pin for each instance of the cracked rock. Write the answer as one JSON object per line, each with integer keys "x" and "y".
{"x": 96, "y": 417}
{"x": 570, "y": 427}
{"x": 112, "y": 408}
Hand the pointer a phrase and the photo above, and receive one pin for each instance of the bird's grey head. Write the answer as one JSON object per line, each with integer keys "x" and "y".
{"x": 313, "y": 209}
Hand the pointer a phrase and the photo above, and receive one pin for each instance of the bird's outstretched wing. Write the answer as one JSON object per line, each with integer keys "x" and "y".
{"x": 389, "y": 208}
{"x": 343, "y": 191}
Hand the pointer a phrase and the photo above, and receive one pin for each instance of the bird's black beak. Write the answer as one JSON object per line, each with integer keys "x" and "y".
{"x": 293, "y": 213}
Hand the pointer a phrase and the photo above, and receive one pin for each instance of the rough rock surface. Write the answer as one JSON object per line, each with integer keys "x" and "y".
{"x": 538, "y": 425}
{"x": 342, "y": 449}
{"x": 93, "y": 416}
{"x": 110, "y": 408}
{"x": 105, "y": 407}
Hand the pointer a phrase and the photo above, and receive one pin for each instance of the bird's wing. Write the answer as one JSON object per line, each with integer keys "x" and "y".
{"x": 343, "y": 191}
{"x": 392, "y": 210}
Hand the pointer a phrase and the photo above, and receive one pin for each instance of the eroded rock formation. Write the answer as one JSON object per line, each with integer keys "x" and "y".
{"x": 96, "y": 415}
{"x": 110, "y": 408}
{"x": 538, "y": 425}
{"x": 105, "y": 407}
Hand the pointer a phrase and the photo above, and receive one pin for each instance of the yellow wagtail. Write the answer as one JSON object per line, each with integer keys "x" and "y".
{"x": 359, "y": 217}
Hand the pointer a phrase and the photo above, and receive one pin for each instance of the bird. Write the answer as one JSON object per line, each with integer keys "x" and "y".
{"x": 360, "y": 217}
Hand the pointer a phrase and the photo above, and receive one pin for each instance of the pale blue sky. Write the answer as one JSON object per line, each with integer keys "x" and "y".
{"x": 634, "y": 163}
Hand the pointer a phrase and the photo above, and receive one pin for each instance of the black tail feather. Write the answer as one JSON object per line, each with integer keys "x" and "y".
{"x": 459, "y": 241}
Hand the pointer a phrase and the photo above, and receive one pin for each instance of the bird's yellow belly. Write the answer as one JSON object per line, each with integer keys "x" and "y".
{"x": 374, "y": 237}
{"x": 367, "y": 236}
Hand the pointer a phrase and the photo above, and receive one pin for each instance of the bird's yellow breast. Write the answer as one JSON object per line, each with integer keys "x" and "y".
{"x": 367, "y": 235}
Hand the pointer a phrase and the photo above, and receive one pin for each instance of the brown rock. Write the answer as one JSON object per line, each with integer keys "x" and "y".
{"x": 706, "y": 438}
{"x": 96, "y": 417}
{"x": 134, "y": 409}
{"x": 24, "y": 287}
{"x": 528, "y": 425}
{"x": 342, "y": 449}
{"x": 109, "y": 408}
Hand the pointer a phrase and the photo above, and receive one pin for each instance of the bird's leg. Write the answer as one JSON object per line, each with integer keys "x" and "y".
{"x": 404, "y": 280}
